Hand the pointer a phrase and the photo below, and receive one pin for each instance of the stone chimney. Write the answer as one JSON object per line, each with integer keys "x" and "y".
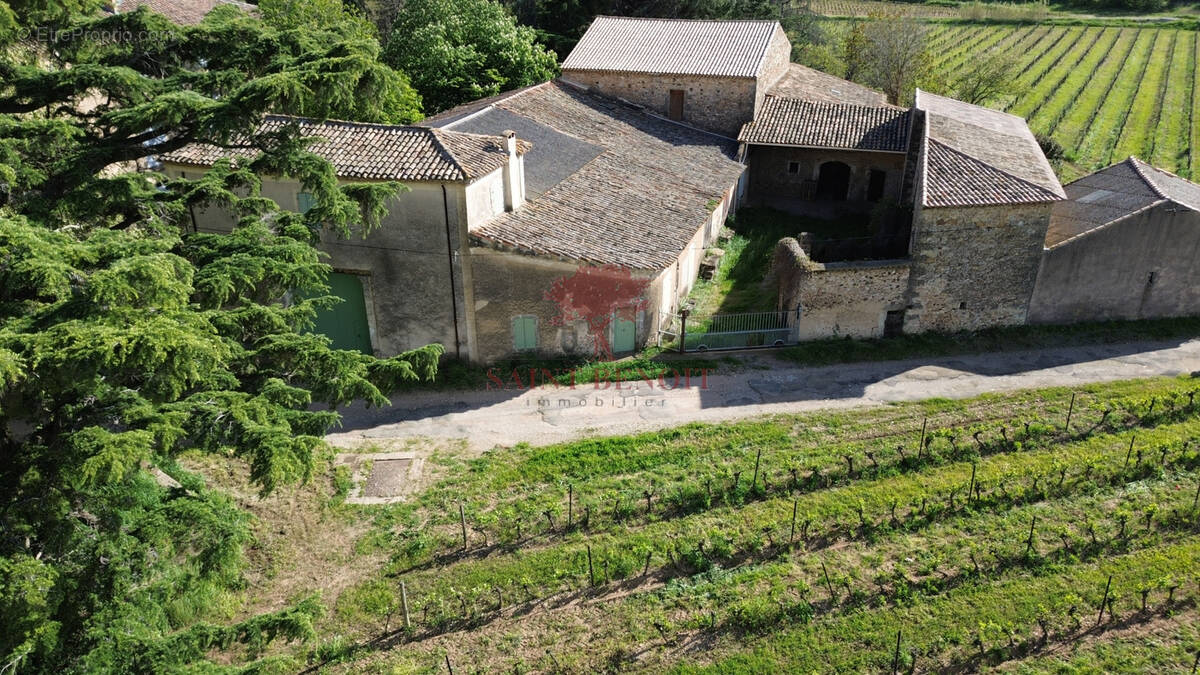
{"x": 514, "y": 174}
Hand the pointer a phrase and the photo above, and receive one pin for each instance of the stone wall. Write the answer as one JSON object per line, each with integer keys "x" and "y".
{"x": 718, "y": 104}
{"x": 1138, "y": 268}
{"x": 415, "y": 284}
{"x": 511, "y": 285}
{"x": 771, "y": 179}
{"x": 849, "y": 299}
{"x": 974, "y": 267}
{"x": 774, "y": 66}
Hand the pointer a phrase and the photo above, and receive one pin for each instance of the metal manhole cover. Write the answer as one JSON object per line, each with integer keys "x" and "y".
{"x": 388, "y": 478}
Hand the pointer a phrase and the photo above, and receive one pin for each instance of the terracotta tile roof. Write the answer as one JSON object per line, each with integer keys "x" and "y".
{"x": 182, "y": 12}
{"x": 1113, "y": 193}
{"x": 1167, "y": 185}
{"x": 377, "y": 151}
{"x": 992, "y": 139}
{"x": 638, "y": 202}
{"x": 811, "y": 124}
{"x": 715, "y": 48}
{"x": 813, "y": 85}
{"x": 953, "y": 178}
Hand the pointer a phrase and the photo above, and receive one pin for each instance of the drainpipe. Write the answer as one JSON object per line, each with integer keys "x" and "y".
{"x": 450, "y": 259}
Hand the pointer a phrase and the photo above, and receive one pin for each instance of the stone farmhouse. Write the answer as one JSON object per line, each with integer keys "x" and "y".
{"x": 655, "y": 132}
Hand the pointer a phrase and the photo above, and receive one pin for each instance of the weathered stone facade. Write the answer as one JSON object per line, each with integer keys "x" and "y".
{"x": 509, "y": 285}
{"x": 850, "y": 299}
{"x": 718, "y": 104}
{"x": 775, "y": 65}
{"x": 415, "y": 282}
{"x": 1142, "y": 266}
{"x": 974, "y": 267}
{"x": 771, "y": 174}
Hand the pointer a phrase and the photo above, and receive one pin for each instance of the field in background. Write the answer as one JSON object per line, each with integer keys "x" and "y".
{"x": 867, "y": 7}
{"x": 1104, "y": 93}
{"x": 982, "y": 532}
{"x": 976, "y": 11}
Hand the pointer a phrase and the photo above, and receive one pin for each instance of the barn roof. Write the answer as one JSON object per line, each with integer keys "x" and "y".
{"x": 811, "y": 124}
{"x": 607, "y": 182}
{"x": 978, "y": 157}
{"x": 377, "y": 151}
{"x": 954, "y": 178}
{"x": 813, "y": 85}
{"x": 1116, "y": 192}
{"x": 182, "y": 12}
{"x": 684, "y": 47}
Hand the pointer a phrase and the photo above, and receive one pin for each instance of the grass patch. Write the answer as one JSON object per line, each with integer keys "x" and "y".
{"x": 990, "y": 548}
{"x": 1011, "y": 338}
{"x": 650, "y": 363}
{"x": 737, "y": 286}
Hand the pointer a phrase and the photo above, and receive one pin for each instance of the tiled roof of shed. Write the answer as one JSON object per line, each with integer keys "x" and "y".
{"x": 787, "y": 121}
{"x": 1167, "y": 185}
{"x": 813, "y": 85}
{"x": 377, "y": 151}
{"x": 685, "y": 47}
{"x": 990, "y": 139}
{"x": 182, "y": 12}
{"x": 1115, "y": 192}
{"x": 637, "y": 203}
{"x": 953, "y": 178}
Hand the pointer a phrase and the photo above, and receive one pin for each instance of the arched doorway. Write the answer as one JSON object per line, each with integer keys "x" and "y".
{"x": 833, "y": 182}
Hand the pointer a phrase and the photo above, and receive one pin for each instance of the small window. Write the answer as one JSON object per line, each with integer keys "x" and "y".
{"x": 875, "y": 185}
{"x": 793, "y": 167}
{"x": 524, "y": 333}
{"x": 305, "y": 201}
{"x": 675, "y": 111}
{"x": 1152, "y": 278}
{"x": 893, "y": 323}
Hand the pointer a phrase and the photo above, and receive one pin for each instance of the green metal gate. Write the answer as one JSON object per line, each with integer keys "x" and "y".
{"x": 346, "y": 322}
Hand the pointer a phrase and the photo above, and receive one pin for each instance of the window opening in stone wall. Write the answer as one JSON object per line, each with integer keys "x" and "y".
{"x": 793, "y": 167}
{"x": 893, "y": 323}
{"x": 875, "y": 185}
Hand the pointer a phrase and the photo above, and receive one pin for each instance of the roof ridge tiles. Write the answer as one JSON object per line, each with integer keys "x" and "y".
{"x": 666, "y": 19}
{"x": 991, "y": 167}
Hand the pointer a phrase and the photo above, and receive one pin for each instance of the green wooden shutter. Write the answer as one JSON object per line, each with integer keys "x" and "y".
{"x": 524, "y": 329}
{"x": 305, "y": 201}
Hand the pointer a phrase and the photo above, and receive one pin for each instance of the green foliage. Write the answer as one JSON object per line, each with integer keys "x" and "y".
{"x": 126, "y": 341}
{"x": 385, "y": 95}
{"x": 560, "y": 23}
{"x": 461, "y": 50}
{"x": 890, "y": 546}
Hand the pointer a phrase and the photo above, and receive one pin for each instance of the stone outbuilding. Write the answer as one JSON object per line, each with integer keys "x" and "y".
{"x": 629, "y": 164}
{"x": 981, "y": 193}
{"x": 835, "y": 154}
{"x": 1124, "y": 246}
{"x": 408, "y": 282}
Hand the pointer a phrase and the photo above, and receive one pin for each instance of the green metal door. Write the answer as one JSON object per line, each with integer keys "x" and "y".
{"x": 346, "y": 322}
{"x": 624, "y": 335}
